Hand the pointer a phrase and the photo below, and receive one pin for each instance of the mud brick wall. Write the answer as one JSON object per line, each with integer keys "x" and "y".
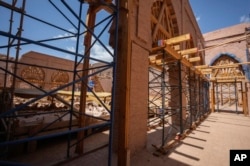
{"x": 237, "y": 49}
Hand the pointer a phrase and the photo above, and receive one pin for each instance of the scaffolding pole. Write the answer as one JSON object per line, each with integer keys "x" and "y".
{"x": 19, "y": 39}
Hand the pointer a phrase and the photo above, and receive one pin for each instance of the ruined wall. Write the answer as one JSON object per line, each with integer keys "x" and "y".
{"x": 52, "y": 77}
{"x": 40, "y": 59}
{"x": 2, "y": 72}
{"x": 138, "y": 34}
{"x": 229, "y": 41}
{"x": 224, "y": 41}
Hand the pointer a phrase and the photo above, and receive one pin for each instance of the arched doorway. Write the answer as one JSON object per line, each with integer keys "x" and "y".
{"x": 227, "y": 76}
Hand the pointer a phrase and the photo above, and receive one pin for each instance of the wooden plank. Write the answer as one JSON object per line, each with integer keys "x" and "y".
{"x": 152, "y": 58}
{"x": 194, "y": 59}
{"x": 123, "y": 89}
{"x": 188, "y": 51}
{"x": 159, "y": 61}
{"x": 186, "y": 62}
{"x": 176, "y": 47}
{"x": 206, "y": 70}
{"x": 226, "y": 81}
{"x": 228, "y": 78}
{"x": 201, "y": 66}
{"x": 212, "y": 94}
{"x": 158, "y": 23}
{"x": 159, "y": 68}
{"x": 178, "y": 39}
{"x": 245, "y": 109}
{"x": 82, "y": 120}
{"x": 225, "y": 66}
{"x": 172, "y": 52}
{"x": 157, "y": 48}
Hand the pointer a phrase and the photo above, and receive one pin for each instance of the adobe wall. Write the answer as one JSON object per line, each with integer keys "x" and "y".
{"x": 140, "y": 45}
{"x": 48, "y": 61}
{"x": 2, "y": 72}
{"x": 230, "y": 41}
{"x": 40, "y": 59}
{"x": 217, "y": 38}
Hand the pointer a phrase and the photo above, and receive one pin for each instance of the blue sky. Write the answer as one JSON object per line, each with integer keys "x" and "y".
{"x": 64, "y": 27}
{"x": 216, "y": 14}
{"x": 210, "y": 14}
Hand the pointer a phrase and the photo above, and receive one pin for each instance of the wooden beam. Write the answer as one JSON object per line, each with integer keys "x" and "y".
{"x": 159, "y": 62}
{"x": 123, "y": 88}
{"x": 186, "y": 62}
{"x": 178, "y": 39}
{"x": 227, "y": 79}
{"x": 194, "y": 59}
{"x": 159, "y": 68}
{"x": 83, "y": 121}
{"x": 244, "y": 100}
{"x": 157, "y": 48}
{"x": 225, "y": 66}
{"x": 188, "y": 51}
{"x": 172, "y": 52}
{"x": 158, "y": 25}
{"x": 201, "y": 66}
{"x": 176, "y": 47}
{"x": 206, "y": 71}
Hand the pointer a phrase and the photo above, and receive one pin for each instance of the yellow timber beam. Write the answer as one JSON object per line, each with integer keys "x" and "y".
{"x": 194, "y": 59}
{"x": 178, "y": 39}
{"x": 188, "y": 51}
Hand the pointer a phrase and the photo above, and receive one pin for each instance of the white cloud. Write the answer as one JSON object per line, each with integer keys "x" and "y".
{"x": 73, "y": 38}
{"x": 98, "y": 52}
{"x": 71, "y": 49}
{"x": 69, "y": 57}
{"x": 245, "y": 18}
{"x": 198, "y": 18}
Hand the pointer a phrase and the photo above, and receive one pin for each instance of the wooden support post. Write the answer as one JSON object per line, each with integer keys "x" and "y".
{"x": 87, "y": 42}
{"x": 221, "y": 95}
{"x": 122, "y": 95}
{"x": 212, "y": 98}
{"x": 245, "y": 108}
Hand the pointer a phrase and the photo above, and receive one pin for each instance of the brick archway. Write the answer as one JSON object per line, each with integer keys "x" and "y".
{"x": 228, "y": 89}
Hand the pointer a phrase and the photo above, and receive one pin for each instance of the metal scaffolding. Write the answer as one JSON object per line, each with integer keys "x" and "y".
{"x": 178, "y": 97}
{"x": 229, "y": 95}
{"x": 36, "y": 33}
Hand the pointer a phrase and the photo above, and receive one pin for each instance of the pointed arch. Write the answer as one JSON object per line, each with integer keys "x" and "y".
{"x": 226, "y": 60}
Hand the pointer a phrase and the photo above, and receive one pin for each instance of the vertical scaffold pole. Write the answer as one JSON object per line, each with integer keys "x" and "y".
{"x": 180, "y": 96}
{"x": 112, "y": 115}
{"x": 217, "y": 97}
{"x": 190, "y": 98}
{"x": 163, "y": 91}
{"x": 236, "y": 95}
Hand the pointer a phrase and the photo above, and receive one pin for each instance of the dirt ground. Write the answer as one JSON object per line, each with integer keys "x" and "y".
{"x": 197, "y": 149}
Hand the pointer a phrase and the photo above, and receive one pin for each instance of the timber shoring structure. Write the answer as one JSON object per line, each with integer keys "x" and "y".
{"x": 81, "y": 72}
{"x": 178, "y": 96}
{"x": 178, "y": 91}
